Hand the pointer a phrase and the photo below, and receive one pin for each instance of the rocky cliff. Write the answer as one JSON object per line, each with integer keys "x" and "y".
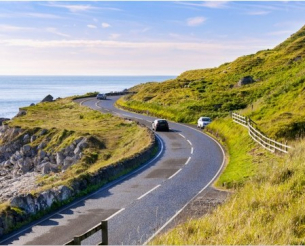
{"x": 23, "y": 159}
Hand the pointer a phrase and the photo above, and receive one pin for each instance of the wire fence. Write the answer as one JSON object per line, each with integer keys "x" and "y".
{"x": 267, "y": 143}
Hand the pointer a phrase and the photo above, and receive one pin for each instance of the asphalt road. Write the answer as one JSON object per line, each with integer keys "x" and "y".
{"x": 140, "y": 204}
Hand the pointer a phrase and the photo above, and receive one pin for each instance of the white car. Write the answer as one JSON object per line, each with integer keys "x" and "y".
{"x": 203, "y": 122}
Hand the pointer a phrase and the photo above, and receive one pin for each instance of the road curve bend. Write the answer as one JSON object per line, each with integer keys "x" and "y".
{"x": 138, "y": 205}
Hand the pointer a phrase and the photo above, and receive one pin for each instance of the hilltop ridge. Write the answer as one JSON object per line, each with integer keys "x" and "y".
{"x": 215, "y": 92}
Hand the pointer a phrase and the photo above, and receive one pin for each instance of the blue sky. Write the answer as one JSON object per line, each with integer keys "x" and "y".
{"x": 137, "y": 38}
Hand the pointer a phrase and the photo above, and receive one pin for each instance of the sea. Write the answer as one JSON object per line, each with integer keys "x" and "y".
{"x": 22, "y": 91}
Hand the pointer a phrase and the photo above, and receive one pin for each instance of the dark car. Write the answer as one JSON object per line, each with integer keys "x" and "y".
{"x": 160, "y": 125}
{"x": 101, "y": 97}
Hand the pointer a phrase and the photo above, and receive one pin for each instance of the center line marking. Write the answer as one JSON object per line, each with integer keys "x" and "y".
{"x": 175, "y": 174}
{"x": 148, "y": 192}
{"x": 188, "y": 160}
{"x": 192, "y": 150}
{"x": 181, "y": 135}
{"x": 190, "y": 142}
{"x": 116, "y": 213}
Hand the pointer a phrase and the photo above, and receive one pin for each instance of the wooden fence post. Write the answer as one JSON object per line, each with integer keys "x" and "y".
{"x": 77, "y": 240}
{"x": 104, "y": 232}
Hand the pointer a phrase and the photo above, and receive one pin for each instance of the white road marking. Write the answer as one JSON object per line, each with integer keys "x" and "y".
{"x": 181, "y": 135}
{"x": 190, "y": 142}
{"x": 188, "y": 160}
{"x": 86, "y": 100}
{"x": 208, "y": 184}
{"x": 116, "y": 213}
{"x": 149, "y": 192}
{"x": 175, "y": 174}
{"x": 192, "y": 150}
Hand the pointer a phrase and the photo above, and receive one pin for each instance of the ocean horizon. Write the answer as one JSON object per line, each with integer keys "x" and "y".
{"x": 21, "y": 91}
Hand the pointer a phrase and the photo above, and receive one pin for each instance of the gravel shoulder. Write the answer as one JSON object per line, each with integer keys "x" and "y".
{"x": 203, "y": 204}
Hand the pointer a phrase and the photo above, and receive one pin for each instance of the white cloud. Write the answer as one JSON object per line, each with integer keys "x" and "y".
{"x": 55, "y": 31}
{"x": 105, "y": 25}
{"x": 42, "y": 15}
{"x": 259, "y": 12}
{"x": 196, "y": 21}
{"x": 91, "y": 26}
{"x": 114, "y": 36}
{"x": 80, "y": 7}
{"x": 208, "y": 4}
{"x": 10, "y": 28}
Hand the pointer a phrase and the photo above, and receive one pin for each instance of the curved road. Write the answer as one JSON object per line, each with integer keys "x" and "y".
{"x": 140, "y": 204}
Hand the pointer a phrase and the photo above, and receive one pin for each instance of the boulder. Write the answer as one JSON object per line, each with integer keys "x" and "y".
{"x": 26, "y": 149}
{"x": 2, "y": 120}
{"x": 49, "y": 167}
{"x": 63, "y": 193}
{"x": 69, "y": 161}
{"x": 33, "y": 138}
{"x": 48, "y": 98}
{"x": 26, "y": 138}
{"x": 21, "y": 112}
{"x": 48, "y": 197}
{"x": 25, "y": 202}
{"x": 245, "y": 81}
{"x": 60, "y": 157}
{"x": 41, "y": 145}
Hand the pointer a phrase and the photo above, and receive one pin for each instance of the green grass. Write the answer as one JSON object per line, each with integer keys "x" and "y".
{"x": 110, "y": 138}
{"x": 238, "y": 144}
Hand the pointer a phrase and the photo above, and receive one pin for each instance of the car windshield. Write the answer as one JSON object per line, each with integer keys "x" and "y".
{"x": 206, "y": 119}
{"x": 162, "y": 121}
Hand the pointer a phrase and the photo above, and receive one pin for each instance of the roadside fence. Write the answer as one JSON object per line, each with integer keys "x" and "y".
{"x": 102, "y": 227}
{"x": 267, "y": 143}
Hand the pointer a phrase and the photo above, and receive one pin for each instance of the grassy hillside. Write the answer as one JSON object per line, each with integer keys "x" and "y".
{"x": 276, "y": 96}
{"x": 110, "y": 138}
{"x": 266, "y": 205}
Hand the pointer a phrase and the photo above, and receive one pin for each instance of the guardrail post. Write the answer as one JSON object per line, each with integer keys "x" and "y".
{"x": 104, "y": 232}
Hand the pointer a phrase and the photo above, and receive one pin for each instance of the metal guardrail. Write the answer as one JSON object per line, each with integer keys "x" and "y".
{"x": 257, "y": 136}
{"x": 103, "y": 227}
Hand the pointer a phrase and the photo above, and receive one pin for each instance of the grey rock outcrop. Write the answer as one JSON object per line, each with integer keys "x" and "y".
{"x": 21, "y": 161}
{"x": 48, "y": 98}
{"x": 245, "y": 81}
